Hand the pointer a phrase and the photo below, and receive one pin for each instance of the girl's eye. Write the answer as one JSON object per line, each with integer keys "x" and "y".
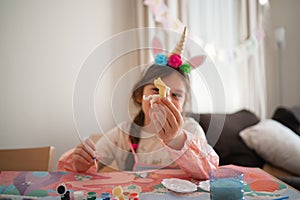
{"x": 155, "y": 89}
{"x": 177, "y": 95}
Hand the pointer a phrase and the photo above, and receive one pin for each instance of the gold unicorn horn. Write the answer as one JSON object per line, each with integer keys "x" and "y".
{"x": 180, "y": 45}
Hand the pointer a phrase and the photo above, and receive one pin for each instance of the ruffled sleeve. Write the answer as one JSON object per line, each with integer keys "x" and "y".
{"x": 196, "y": 157}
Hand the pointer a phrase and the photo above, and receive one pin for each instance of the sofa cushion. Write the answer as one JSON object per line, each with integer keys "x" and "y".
{"x": 229, "y": 145}
{"x": 290, "y": 117}
{"x": 275, "y": 143}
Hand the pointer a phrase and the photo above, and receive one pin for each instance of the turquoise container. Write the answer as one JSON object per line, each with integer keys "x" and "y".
{"x": 226, "y": 184}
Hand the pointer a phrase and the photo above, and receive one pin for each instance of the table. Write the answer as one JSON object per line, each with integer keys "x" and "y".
{"x": 258, "y": 184}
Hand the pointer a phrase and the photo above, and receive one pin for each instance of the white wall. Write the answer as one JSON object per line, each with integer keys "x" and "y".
{"x": 283, "y": 13}
{"x": 42, "y": 47}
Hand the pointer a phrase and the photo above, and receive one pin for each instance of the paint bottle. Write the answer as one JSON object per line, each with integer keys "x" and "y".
{"x": 78, "y": 195}
{"x": 105, "y": 196}
{"x": 133, "y": 196}
{"x": 91, "y": 196}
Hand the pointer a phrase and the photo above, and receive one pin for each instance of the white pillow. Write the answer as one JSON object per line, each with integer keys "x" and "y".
{"x": 275, "y": 143}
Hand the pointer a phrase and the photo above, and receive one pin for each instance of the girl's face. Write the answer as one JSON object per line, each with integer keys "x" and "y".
{"x": 177, "y": 93}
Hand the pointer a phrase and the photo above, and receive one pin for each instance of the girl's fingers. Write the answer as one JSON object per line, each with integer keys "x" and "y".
{"x": 156, "y": 122}
{"x": 98, "y": 155}
{"x": 170, "y": 119}
{"x": 81, "y": 152}
{"x": 161, "y": 113}
{"x": 164, "y": 131}
{"x": 85, "y": 150}
{"x": 165, "y": 117}
{"x": 78, "y": 158}
{"x": 90, "y": 143}
{"x": 168, "y": 116}
{"x": 80, "y": 163}
{"x": 173, "y": 109}
{"x": 89, "y": 146}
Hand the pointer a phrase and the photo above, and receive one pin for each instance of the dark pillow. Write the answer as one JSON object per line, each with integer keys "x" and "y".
{"x": 290, "y": 117}
{"x": 222, "y": 132}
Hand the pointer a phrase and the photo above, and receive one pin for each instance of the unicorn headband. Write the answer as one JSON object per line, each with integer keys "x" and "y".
{"x": 174, "y": 59}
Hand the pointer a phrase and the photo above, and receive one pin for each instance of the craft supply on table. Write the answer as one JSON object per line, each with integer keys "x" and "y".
{"x": 61, "y": 189}
{"x": 78, "y": 195}
{"x": 179, "y": 185}
{"x": 204, "y": 185}
{"x": 118, "y": 192}
{"x": 226, "y": 184}
{"x": 91, "y": 196}
{"x": 133, "y": 196}
{"x": 281, "y": 198}
{"x": 257, "y": 184}
{"x": 95, "y": 163}
{"x": 104, "y": 196}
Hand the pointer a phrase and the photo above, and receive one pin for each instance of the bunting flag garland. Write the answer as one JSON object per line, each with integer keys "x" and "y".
{"x": 162, "y": 15}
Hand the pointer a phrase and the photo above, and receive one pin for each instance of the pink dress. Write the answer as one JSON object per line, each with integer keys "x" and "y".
{"x": 196, "y": 157}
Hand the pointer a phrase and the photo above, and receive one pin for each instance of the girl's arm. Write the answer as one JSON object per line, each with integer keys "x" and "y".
{"x": 196, "y": 158}
{"x": 81, "y": 158}
{"x": 186, "y": 142}
{"x": 78, "y": 159}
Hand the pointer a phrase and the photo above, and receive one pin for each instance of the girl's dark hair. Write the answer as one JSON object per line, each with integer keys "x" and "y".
{"x": 153, "y": 72}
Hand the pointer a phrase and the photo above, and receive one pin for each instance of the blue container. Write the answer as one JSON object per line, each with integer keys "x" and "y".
{"x": 105, "y": 196}
{"x": 226, "y": 184}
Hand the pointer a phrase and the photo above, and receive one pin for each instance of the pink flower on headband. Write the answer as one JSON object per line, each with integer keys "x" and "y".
{"x": 175, "y": 61}
{"x": 134, "y": 146}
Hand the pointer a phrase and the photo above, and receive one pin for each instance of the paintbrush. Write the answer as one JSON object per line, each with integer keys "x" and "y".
{"x": 95, "y": 163}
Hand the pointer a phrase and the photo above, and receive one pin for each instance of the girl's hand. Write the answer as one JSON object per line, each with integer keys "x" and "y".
{"x": 168, "y": 122}
{"x": 84, "y": 155}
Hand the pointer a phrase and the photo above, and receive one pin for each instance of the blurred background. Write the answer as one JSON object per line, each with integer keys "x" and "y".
{"x": 253, "y": 44}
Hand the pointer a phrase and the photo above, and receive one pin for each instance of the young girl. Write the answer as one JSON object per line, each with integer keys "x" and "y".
{"x": 159, "y": 136}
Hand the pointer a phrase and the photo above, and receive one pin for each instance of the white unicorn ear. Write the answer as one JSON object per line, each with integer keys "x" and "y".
{"x": 156, "y": 46}
{"x": 196, "y": 61}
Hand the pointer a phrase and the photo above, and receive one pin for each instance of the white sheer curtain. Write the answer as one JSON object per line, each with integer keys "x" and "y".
{"x": 231, "y": 34}
{"x": 256, "y": 62}
{"x": 229, "y": 31}
{"x": 215, "y": 23}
